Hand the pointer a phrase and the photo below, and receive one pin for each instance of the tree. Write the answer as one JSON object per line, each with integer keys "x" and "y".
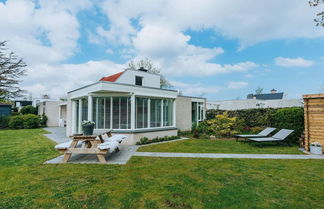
{"x": 259, "y": 90}
{"x": 11, "y": 68}
{"x": 320, "y": 20}
{"x": 149, "y": 66}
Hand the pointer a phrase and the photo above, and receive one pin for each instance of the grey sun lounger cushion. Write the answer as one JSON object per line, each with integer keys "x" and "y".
{"x": 263, "y": 133}
{"x": 280, "y": 136}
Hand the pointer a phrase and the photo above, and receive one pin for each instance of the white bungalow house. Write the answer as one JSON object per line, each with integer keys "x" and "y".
{"x": 132, "y": 103}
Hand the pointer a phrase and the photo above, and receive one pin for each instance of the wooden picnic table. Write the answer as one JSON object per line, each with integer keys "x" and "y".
{"x": 89, "y": 146}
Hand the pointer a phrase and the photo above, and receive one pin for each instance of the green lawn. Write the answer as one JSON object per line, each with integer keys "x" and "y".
{"x": 221, "y": 146}
{"x": 151, "y": 182}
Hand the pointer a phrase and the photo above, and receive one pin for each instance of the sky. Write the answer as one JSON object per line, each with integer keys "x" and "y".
{"x": 218, "y": 49}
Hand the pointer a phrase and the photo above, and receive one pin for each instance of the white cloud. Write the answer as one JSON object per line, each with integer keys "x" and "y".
{"x": 293, "y": 62}
{"x": 56, "y": 80}
{"x": 246, "y": 21}
{"x": 237, "y": 85}
{"x": 195, "y": 89}
{"x": 46, "y": 32}
{"x": 171, "y": 50}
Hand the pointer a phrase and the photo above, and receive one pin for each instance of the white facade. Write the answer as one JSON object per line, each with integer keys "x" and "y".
{"x": 253, "y": 103}
{"x": 149, "y": 79}
{"x": 133, "y": 110}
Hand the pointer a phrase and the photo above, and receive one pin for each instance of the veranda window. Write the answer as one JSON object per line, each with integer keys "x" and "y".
{"x": 112, "y": 112}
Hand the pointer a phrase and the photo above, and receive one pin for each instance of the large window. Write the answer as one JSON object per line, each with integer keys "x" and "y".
{"x": 155, "y": 113}
{"x": 121, "y": 113}
{"x": 141, "y": 112}
{"x": 84, "y": 109}
{"x": 160, "y": 115}
{"x": 167, "y": 112}
{"x": 112, "y": 112}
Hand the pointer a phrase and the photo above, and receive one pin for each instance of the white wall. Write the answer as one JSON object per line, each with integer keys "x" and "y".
{"x": 51, "y": 109}
{"x": 149, "y": 79}
{"x": 254, "y": 103}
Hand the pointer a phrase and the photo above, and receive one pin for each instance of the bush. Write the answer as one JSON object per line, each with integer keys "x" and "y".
{"x": 290, "y": 118}
{"x": 24, "y": 121}
{"x": 4, "y": 121}
{"x": 16, "y": 122}
{"x": 224, "y": 125}
{"x": 31, "y": 121}
{"x": 43, "y": 120}
{"x": 29, "y": 109}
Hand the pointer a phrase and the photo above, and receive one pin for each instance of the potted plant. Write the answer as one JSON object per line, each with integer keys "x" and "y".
{"x": 316, "y": 148}
{"x": 87, "y": 127}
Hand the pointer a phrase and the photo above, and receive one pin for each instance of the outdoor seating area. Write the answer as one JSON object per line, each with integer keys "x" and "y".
{"x": 98, "y": 145}
{"x": 263, "y": 136}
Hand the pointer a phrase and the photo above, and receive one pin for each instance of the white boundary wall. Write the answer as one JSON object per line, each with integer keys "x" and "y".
{"x": 254, "y": 103}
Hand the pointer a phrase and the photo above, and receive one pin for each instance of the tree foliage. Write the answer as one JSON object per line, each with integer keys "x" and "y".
{"x": 11, "y": 68}
{"x": 149, "y": 66}
{"x": 259, "y": 90}
{"x": 319, "y": 21}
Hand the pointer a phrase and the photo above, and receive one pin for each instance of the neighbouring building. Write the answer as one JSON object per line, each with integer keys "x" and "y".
{"x": 21, "y": 103}
{"x": 5, "y": 109}
{"x": 269, "y": 100}
{"x": 54, "y": 110}
{"x": 132, "y": 103}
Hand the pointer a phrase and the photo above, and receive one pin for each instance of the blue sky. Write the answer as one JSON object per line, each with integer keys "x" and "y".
{"x": 213, "y": 48}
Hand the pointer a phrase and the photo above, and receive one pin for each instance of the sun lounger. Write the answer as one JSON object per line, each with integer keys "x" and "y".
{"x": 266, "y": 132}
{"x": 280, "y": 136}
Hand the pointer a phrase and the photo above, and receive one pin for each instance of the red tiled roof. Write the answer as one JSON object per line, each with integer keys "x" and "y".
{"x": 112, "y": 78}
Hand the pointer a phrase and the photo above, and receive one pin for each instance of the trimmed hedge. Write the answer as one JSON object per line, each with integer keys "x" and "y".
{"x": 24, "y": 121}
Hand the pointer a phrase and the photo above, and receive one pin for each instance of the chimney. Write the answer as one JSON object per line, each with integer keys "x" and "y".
{"x": 273, "y": 91}
{"x": 142, "y": 69}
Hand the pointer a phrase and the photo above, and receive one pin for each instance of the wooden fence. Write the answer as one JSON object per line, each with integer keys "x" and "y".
{"x": 314, "y": 119}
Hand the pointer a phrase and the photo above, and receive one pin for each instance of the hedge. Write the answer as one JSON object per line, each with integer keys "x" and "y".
{"x": 24, "y": 121}
{"x": 4, "y": 121}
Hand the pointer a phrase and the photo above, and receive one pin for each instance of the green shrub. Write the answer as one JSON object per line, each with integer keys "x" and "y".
{"x": 29, "y": 109}
{"x": 24, "y": 121}
{"x": 31, "y": 121}
{"x": 43, "y": 120}
{"x": 16, "y": 122}
{"x": 290, "y": 118}
{"x": 4, "y": 121}
{"x": 224, "y": 125}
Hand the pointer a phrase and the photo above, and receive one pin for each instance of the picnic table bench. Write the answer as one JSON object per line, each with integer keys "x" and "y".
{"x": 90, "y": 144}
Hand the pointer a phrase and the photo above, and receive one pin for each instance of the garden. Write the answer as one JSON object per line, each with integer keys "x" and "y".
{"x": 26, "y": 118}
{"x": 224, "y": 125}
{"x": 146, "y": 182}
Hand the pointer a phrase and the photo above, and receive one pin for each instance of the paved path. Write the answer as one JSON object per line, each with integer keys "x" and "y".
{"x": 57, "y": 134}
{"x": 126, "y": 152}
{"x": 212, "y": 155}
{"x": 121, "y": 157}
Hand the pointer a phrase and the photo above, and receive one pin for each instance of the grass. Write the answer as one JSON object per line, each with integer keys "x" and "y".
{"x": 151, "y": 182}
{"x": 220, "y": 146}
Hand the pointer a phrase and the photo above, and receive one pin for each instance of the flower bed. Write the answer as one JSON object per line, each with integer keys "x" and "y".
{"x": 145, "y": 140}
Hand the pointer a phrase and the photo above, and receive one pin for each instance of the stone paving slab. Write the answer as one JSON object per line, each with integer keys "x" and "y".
{"x": 212, "y": 155}
{"x": 57, "y": 134}
{"x": 121, "y": 157}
